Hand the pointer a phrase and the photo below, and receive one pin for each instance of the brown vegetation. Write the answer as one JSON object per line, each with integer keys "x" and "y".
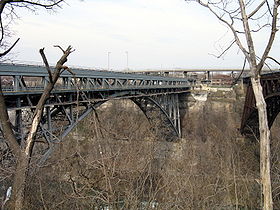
{"x": 113, "y": 159}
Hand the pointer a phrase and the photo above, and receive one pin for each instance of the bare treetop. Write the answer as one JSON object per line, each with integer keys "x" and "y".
{"x": 244, "y": 18}
{"x": 8, "y": 13}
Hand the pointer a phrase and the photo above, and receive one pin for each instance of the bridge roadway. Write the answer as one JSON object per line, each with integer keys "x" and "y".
{"x": 91, "y": 80}
{"x": 202, "y": 70}
{"x": 76, "y": 95}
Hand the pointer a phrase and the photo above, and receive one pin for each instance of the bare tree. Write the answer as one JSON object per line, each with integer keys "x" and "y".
{"x": 8, "y": 15}
{"x": 244, "y": 18}
{"x": 23, "y": 150}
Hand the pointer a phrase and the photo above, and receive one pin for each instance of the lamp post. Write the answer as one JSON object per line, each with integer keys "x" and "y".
{"x": 126, "y": 52}
{"x": 109, "y": 61}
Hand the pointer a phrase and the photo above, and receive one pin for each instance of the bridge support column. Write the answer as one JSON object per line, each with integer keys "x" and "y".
{"x": 175, "y": 112}
{"x": 49, "y": 122}
{"x": 18, "y": 120}
{"x": 163, "y": 111}
{"x": 16, "y": 83}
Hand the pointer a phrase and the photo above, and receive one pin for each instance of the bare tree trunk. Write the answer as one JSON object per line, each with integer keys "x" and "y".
{"x": 264, "y": 144}
{"x": 23, "y": 160}
{"x": 7, "y": 127}
{"x": 225, "y": 13}
{"x": 22, "y": 168}
{"x": 19, "y": 183}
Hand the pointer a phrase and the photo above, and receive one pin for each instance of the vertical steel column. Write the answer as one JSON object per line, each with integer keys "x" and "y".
{"x": 16, "y": 83}
{"x": 87, "y": 83}
{"x": 178, "y": 114}
{"x": 18, "y": 119}
{"x": 207, "y": 75}
{"x": 45, "y": 81}
{"x": 169, "y": 106}
{"x": 68, "y": 81}
{"x": 174, "y": 112}
{"x": 71, "y": 108}
{"x": 49, "y": 122}
{"x": 165, "y": 101}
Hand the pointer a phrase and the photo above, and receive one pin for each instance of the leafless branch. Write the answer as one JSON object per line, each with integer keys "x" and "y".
{"x": 274, "y": 60}
{"x": 2, "y": 30}
{"x": 60, "y": 48}
{"x": 268, "y": 7}
{"x": 257, "y": 9}
{"x": 230, "y": 25}
{"x": 8, "y": 50}
{"x": 37, "y": 3}
{"x": 272, "y": 36}
{"x": 46, "y": 64}
{"x": 244, "y": 64}
{"x": 225, "y": 50}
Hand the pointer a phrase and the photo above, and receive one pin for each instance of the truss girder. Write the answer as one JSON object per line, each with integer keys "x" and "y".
{"x": 271, "y": 90}
{"x": 76, "y": 96}
{"x": 32, "y": 80}
{"x": 62, "y": 114}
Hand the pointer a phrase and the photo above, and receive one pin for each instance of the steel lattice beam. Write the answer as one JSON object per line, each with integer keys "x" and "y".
{"x": 271, "y": 91}
{"x": 157, "y": 97}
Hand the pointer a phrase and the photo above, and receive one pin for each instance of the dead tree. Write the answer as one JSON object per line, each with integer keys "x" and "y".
{"x": 244, "y": 18}
{"x": 21, "y": 172}
{"x": 23, "y": 152}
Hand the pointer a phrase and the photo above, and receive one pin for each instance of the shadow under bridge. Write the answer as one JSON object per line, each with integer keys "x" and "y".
{"x": 75, "y": 96}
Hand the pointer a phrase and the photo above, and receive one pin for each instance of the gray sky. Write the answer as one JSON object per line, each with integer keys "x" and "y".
{"x": 157, "y": 34}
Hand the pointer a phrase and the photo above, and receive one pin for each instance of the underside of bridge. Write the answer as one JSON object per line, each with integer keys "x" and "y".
{"x": 77, "y": 94}
{"x": 271, "y": 91}
{"x": 63, "y": 112}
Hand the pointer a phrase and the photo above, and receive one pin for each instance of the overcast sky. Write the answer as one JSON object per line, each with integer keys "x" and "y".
{"x": 157, "y": 34}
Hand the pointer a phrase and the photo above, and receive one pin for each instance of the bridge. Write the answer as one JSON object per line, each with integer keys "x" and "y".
{"x": 199, "y": 70}
{"x": 76, "y": 95}
{"x": 270, "y": 81}
{"x": 271, "y": 90}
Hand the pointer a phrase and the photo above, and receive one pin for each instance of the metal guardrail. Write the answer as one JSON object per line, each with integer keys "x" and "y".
{"x": 32, "y": 80}
{"x": 40, "y": 71}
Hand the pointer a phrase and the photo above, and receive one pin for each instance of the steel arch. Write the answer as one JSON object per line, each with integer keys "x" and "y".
{"x": 169, "y": 120}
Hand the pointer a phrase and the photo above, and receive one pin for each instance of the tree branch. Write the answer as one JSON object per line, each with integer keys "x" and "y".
{"x": 257, "y": 9}
{"x": 238, "y": 42}
{"x": 60, "y": 48}
{"x": 225, "y": 50}
{"x": 40, "y": 106}
{"x": 272, "y": 35}
{"x": 46, "y": 6}
{"x": 6, "y": 125}
{"x": 8, "y": 50}
{"x": 268, "y": 57}
{"x": 46, "y": 64}
{"x": 252, "y": 55}
{"x": 268, "y": 7}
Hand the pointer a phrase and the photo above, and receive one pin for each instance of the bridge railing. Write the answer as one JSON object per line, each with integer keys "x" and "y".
{"x": 65, "y": 88}
{"x": 33, "y": 79}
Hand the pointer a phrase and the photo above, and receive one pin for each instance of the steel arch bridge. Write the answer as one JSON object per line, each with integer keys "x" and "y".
{"x": 76, "y": 95}
{"x": 271, "y": 90}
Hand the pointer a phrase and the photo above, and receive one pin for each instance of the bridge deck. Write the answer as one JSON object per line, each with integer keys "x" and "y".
{"x": 24, "y": 81}
{"x": 40, "y": 71}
